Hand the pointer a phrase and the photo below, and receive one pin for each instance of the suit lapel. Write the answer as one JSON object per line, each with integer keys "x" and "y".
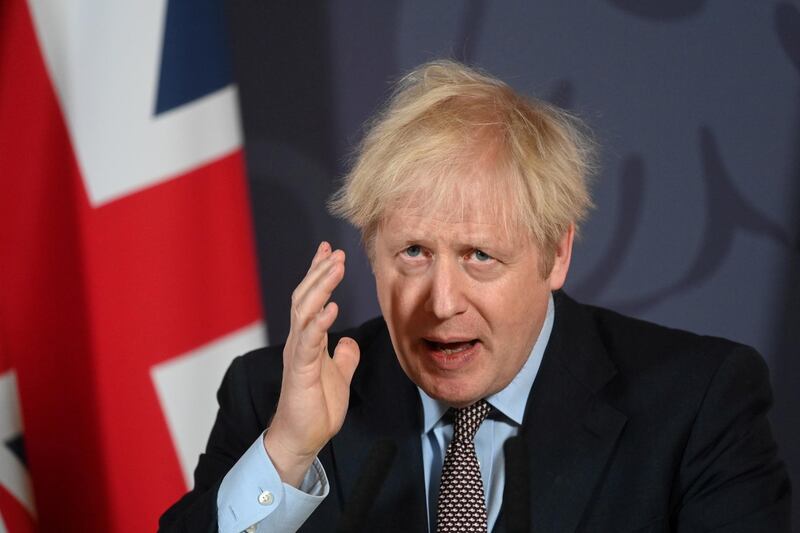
{"x": 384, "y": 404}
{"x": 569, "y": 430}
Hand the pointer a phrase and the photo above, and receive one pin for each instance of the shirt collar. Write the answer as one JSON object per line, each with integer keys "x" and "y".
{"x": 510, "y": 401}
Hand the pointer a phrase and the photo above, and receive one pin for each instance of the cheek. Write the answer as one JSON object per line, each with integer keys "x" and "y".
{"x": 396, "y": 297}
{"x": 395, "y": 286}
{"x": 515, "y": 314}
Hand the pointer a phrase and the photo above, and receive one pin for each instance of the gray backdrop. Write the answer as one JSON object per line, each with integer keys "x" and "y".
{"x": 696, "y": 104}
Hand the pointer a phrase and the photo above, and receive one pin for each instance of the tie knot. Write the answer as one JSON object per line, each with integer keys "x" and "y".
{"x": 469, "y": 419}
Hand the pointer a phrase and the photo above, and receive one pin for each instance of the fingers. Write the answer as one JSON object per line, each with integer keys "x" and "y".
{"x": 322, "y": 254}
{"x": 313, "y": 336}
{"x": 325, "y": 273}
{"x": 346, "y": 356}
{"x": 312, "y": 315}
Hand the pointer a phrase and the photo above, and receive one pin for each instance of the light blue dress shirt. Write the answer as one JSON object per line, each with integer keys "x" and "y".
{"x": 253, "y": 498}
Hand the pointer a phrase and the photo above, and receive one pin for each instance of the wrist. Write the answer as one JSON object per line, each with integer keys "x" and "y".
{"x": 290, "y": 465}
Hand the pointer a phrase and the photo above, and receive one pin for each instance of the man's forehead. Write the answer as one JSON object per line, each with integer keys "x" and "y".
{"x": 418, "y": 224}
{"x": 418, "y": 218}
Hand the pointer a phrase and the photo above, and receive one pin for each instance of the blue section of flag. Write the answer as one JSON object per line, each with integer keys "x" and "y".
{"x": 17, "y": 447}
{"x": 194, "y": 58}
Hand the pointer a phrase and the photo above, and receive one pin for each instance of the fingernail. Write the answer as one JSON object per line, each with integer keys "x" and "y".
{"x": 323, "y": 246}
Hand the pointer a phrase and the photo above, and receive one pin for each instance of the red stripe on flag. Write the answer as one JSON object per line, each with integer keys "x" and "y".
{"x": 15, "y": 517}
{"x": 94, "y": 297}
{"x": 172, "y": 268}
{"x": 43, "y": 308}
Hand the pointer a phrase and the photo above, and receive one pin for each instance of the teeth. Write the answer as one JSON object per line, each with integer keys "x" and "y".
{"x": 450, "y": 349}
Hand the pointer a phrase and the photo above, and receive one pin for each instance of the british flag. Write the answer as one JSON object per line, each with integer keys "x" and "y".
{"x": 127, "y": 264}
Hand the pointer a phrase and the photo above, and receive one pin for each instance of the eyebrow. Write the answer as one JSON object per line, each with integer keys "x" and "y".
{"x": 478, "y": 242}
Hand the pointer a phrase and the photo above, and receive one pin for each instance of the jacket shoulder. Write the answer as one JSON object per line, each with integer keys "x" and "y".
{"x": 634, "y": 343}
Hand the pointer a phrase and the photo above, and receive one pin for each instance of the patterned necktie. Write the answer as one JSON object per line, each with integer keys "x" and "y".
{"x": 462, "y": 506}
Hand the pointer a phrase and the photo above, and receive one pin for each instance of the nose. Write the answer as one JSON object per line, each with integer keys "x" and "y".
{"x": 447, "y": 296}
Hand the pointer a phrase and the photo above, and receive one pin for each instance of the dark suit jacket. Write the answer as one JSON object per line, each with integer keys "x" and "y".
{"x": 629, "y": 427}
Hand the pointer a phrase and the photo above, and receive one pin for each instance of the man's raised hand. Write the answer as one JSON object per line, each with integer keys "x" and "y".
{"x": 316, "y": 388}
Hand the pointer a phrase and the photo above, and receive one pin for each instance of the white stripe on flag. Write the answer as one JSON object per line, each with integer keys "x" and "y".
{"x": 104, "y": 60}
{"x": 187, "y": 387}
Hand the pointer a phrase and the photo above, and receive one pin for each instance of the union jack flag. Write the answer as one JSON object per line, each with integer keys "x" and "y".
{"x": 127, "y": 267}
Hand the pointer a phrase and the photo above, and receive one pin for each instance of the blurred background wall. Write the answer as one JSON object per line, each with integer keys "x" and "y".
{"x": 695, "y": 105}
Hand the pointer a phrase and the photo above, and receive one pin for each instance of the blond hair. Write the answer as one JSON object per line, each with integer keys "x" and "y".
{"x": 446, "y": 122}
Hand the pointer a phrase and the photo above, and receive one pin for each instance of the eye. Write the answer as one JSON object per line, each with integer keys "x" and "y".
{"x": 414, "y": 250}
{"x": 482, "y": 256}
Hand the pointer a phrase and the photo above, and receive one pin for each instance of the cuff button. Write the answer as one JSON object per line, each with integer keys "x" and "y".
{"x": 266, "y": 498}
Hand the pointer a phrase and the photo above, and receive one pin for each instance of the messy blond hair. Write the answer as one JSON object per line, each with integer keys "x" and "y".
{"x": 446, "y": 122}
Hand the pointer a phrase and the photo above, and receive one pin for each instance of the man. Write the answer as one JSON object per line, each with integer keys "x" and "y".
{"x": 468, "y": 197}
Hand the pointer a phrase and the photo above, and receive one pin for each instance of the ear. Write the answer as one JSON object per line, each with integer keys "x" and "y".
{"x": 563, "y": 254}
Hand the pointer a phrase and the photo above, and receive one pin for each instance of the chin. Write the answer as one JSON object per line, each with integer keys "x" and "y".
{"x": 453, "y": 394}
{"x": 456, "y": 383}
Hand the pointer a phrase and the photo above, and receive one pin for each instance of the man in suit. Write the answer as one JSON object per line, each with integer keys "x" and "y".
{"x": 468, "y": 197}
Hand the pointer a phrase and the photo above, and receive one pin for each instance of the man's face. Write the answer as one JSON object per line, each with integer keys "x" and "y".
{"x": 463, "y": 297}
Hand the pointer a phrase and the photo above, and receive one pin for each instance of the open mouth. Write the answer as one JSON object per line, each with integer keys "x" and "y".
{"x": 450, "y": 348}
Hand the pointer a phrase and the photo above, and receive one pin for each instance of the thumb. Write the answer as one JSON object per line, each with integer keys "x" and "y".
{"x": 346, "y": 356}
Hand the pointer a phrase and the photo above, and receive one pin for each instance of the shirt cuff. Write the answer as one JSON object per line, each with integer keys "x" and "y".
{"x": 252, "y": 494}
